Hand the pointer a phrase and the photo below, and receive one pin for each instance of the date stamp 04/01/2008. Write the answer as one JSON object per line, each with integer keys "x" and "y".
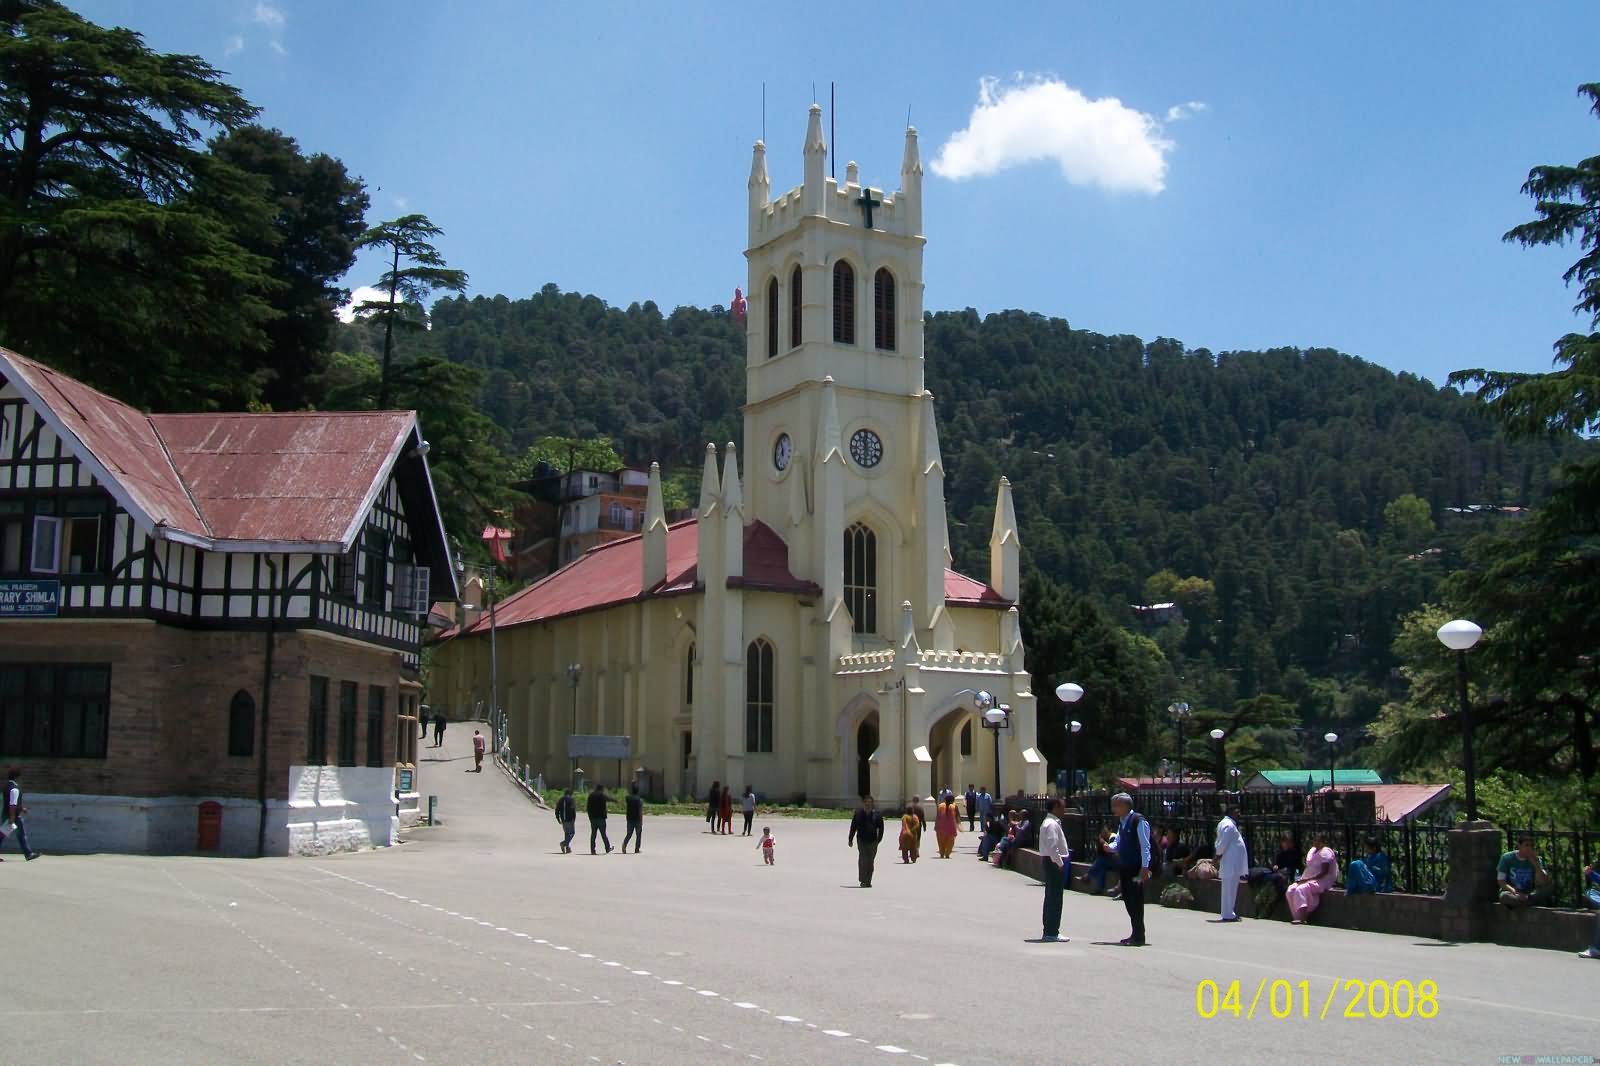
{"x": 1343, "y": 998}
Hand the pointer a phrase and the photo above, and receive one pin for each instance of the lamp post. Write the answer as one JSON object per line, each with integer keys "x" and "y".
{"x": 1069, "y": 692}
{"x": 995, "y": 717}
{"x": 1459, "y": 636}
{"x": 574, "y": 673}
{"x": 1333, "y": 761}
{"x": 1234, "y": 773}
{"x": 1179, "y": 711}
{"x": 1217, "y": 735}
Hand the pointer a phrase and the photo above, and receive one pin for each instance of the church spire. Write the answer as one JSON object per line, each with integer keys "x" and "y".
{"x": 655, "y": 534}
{"x": 760, "y": 187}
{"x": 911, "y": 182}
{"x": 732, "y": 514}
{"x": 1005, "y": 554}
{"x": 710, "y": 482}
{"x": 932, "y": 538}
{"x": 816, "y": 162}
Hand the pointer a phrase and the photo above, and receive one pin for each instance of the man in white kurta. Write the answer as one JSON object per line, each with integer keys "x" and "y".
{"x": 1233, "y": 861}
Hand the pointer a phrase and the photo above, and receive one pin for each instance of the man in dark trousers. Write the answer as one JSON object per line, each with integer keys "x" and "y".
{"x": 972, "y": 807}
{"x": 11, "y": 812}
{"x": 422, "y": 717}
{"x": 597, "y": 818}
{"x": 1133, "y": 863}
{"x": 635, "y": 813}
{"x": 866, "y": 830}
{"x": 438, "y": 729}
{"x": 567, "y": 815}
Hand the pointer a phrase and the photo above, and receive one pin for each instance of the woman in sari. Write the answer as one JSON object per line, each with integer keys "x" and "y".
{"x": 945, "y": 826}
{"x": 1321, "y": 871}
{"x": 922, "y": 821}
{"x": 725, "y": 809}
{"x": 908, "y": 835}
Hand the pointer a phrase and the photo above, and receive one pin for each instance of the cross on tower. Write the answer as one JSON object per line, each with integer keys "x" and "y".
{"x": 867, "y": 204}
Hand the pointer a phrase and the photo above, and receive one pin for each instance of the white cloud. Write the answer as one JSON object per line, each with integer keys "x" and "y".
{"x": 401, "y": 202}
{"x": 269, "y": 15}
{"x": 1179, "y": 112}
{"x": 1100, "y": 142}
{"x": 347, "y": 312}
{"x": 234, "y": 46}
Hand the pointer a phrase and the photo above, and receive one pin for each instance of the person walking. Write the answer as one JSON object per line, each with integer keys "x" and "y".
{"x": 634, "y": 811}
{"x": 422, "y": 717}
{"x": 766, "y": 844}
{"x": 596, "y": 808}
{"x": 1233, "y": 861}
{"x": 748, "y": 802}
{"x": 438, "y": 729}
{"x": 567, "y": 817}
{"x": 1133, "y": 863}
{"x": 479, "y": 746}
{"x": 908, "y": 835}
{"x": 922, "y": 822}
{"x": 11, "y": 816}
{"x": 971, "y": 799}
{"x": 946, "y": 824}
{"x": 725, "y": 810}
{"x": 1053, "y": 850}
{"x": 985, "y": 805}
{"x": 713, "y": 805}
{"x": 866, "y": 830}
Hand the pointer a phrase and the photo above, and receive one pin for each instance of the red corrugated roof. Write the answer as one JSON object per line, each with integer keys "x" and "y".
{"x": 963, "y": 591}
{"x": 608, "y": 575}
{"x": 1401, "y": 803}
{"x": 118, "y": 438}
{"x": 276, "y": 478}
{"x": 300, "y": 477}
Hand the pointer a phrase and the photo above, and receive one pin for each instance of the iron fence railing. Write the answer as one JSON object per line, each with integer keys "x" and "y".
{"x": 1564, "y": 852}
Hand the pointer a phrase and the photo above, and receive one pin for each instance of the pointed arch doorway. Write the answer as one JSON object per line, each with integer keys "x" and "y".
{"x": 866, "y": 744}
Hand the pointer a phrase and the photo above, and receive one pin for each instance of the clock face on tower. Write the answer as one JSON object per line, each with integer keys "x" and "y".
{"x": 865, "y": 448}
{"x": 782, "y": 449}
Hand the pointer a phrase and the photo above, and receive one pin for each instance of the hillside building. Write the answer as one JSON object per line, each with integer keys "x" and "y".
{"x": 210, "y": 623}
{"x": 804, "y": 632}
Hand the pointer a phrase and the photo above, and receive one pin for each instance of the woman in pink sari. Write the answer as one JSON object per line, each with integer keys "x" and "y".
{"x": 945, "y": 826}
{"x": 1322, "y": 870}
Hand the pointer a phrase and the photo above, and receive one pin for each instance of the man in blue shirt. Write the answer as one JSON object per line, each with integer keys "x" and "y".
{"x": 1133, "y": 863}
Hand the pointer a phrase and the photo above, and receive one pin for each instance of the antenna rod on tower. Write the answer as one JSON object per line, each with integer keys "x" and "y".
{"x": 764, "y": 112}
{"x": 833, "y": 141}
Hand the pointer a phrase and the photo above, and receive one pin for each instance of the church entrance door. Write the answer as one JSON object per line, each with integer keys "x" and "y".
{"x": 866, "y": 744}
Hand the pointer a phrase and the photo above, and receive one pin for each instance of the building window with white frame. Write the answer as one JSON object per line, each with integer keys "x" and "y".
{"x": 861, "y": 577}
{"x": 759, "y": 686}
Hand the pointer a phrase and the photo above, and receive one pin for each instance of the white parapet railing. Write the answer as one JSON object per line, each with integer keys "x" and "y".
{"x": 969, "y": 661}
{"x": 867, "y": 662}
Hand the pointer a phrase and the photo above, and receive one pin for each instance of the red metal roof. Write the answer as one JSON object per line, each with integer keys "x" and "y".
{"x": 1401, "y": 803}
{"x": 116, "y": 437}
{"x": 608, "y": 575}
{"x": 963, "y": 591}
{"x": 303, "y": 477}
{"x": 275, "y": 478}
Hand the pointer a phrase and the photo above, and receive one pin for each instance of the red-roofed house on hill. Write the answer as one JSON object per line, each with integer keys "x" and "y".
{"x": 803, "y": 633}
{"x": 210, "y": 609}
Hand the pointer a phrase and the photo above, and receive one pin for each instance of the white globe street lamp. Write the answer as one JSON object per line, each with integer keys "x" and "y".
{"x": 1460, "y": 636}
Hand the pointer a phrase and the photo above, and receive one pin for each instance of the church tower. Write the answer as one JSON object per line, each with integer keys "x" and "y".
{"x": 842, "y": 458}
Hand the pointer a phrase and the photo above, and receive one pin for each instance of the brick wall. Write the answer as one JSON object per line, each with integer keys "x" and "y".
{"x": 171, "y": 688}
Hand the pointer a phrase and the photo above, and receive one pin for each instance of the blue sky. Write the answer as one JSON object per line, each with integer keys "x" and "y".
{"x": 1259, "y": 175}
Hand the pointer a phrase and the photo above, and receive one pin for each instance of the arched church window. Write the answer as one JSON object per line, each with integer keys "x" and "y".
{"x": 772, "y": 317}
{"x": 861, "y": 577}
{"x": 844, "y": 303}
{"x": 241, "y": 725}
{"x": 688, "y": 677}
{"x": 883, "y": 310}
{"x": 758, "y": 689}
{"x": 794, "y": 308}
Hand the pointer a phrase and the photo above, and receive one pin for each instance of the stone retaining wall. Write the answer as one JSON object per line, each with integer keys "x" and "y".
{"x": 1395, "y": 913}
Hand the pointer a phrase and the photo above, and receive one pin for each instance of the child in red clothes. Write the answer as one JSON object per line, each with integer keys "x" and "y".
{"x": 766, "y": 845}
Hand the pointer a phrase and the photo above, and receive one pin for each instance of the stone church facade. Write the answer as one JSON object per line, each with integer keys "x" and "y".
{"x": 804, "y": 633}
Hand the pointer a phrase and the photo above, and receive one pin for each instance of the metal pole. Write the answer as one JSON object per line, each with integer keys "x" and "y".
{"x": 1071, "y": 774}
{"x": 1180, "y": 755}
{"x": 1466, "y": 737}
{"x": 999, "y": 793}
{"x": 496, "y": 726}
{"x": 1333, "y": 763}
{"x": 574, "y": 730}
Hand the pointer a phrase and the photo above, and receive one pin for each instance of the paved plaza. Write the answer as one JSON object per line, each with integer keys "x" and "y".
{"x": 478, "y": 942}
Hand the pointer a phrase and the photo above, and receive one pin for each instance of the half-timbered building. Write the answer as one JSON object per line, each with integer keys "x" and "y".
{"x": 209, "y": 623}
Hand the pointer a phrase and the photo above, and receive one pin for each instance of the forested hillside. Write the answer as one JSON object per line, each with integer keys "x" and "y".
{"x": 1295, "y": 503}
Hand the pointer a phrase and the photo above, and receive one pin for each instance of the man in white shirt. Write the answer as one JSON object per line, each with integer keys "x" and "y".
{"x": 1053, "y": 850}
{"x": 1233, "y": 861}
{"x": 11, "y": 812}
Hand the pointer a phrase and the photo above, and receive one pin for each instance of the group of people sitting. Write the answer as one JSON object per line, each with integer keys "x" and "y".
{"x": 1006, "y": 832}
